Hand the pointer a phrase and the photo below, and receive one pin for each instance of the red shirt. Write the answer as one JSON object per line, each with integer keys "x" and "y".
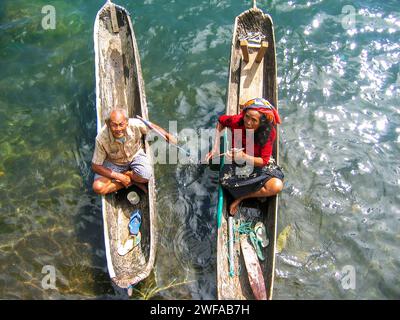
{"x": 239, "y": 133}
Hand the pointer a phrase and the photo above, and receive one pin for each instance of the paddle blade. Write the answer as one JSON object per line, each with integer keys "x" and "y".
{"x": 253, "y": 268}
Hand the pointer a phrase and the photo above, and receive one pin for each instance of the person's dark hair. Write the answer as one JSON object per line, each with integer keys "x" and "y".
{"x": 261, "y": 135}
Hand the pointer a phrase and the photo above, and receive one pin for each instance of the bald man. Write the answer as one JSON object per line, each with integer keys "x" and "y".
{"x": 119, "y": 159}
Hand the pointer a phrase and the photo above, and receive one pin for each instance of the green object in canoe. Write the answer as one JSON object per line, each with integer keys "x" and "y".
{"x": 220, "y": 191}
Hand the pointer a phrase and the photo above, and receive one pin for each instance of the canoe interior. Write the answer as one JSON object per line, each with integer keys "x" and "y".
{"x": 119, "y": 83}
{"x": 246, "y": 80}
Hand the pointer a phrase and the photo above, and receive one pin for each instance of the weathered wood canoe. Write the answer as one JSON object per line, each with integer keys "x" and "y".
{"x": 119, "y": 83}
{"x": 249, "y": 80}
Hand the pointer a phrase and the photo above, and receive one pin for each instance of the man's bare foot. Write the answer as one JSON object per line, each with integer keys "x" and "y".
{"x": 141, "y": 186}
{"x": 234, "y": 207}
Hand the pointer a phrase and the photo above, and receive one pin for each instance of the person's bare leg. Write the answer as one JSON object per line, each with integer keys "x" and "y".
{"x": 138, "y": 180}
{"x": 271, "y": 187}
{"x": 105, "y": 186}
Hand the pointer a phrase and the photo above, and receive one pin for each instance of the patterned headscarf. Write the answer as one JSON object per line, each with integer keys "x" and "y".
{"x": 265, "y": 107}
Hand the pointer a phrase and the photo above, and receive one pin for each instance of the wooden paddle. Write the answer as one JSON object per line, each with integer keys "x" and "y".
{"x": 151, "y": 127}
{"x": 253, "y": 268}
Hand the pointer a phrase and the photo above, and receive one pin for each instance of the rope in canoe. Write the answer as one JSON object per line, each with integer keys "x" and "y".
{"x": 241, "y": 228}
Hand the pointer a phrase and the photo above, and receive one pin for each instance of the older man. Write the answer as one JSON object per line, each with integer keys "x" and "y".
{"x": 119, "y": 159}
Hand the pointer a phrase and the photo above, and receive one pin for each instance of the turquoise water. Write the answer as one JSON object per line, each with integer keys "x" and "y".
{"x": 338, "y": 96}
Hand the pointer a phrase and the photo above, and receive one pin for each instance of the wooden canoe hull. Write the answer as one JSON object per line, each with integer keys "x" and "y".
{"x": 119, "y": 83}
{"x": 247, "y": 81}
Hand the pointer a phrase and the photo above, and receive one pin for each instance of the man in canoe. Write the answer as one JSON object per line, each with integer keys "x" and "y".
{"x": 260, "y": 117}
{"x": 119, "y": 159}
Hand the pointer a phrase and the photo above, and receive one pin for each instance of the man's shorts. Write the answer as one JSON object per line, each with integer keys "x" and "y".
{"x": 139, "y": 165}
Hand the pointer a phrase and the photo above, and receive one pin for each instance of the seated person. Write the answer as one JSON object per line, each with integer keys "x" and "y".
{"x": 119, "y": 159}
{"x": 260, "y": 117}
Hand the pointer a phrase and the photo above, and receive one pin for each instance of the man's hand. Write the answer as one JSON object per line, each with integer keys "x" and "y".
{"x": 123, "y": 178}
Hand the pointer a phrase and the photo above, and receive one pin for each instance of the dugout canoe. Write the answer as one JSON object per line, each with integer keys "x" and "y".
{"x": 119, "y": 83}
{"x": 247, "y": 80}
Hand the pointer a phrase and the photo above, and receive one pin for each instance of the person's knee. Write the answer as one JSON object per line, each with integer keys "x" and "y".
{"x": 277, "y": 186}
{"x": 146, "y": 174}
{"x": 98, "y": 187}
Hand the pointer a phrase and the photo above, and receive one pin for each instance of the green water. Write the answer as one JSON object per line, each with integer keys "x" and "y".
{"x": 338, "y": 98}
